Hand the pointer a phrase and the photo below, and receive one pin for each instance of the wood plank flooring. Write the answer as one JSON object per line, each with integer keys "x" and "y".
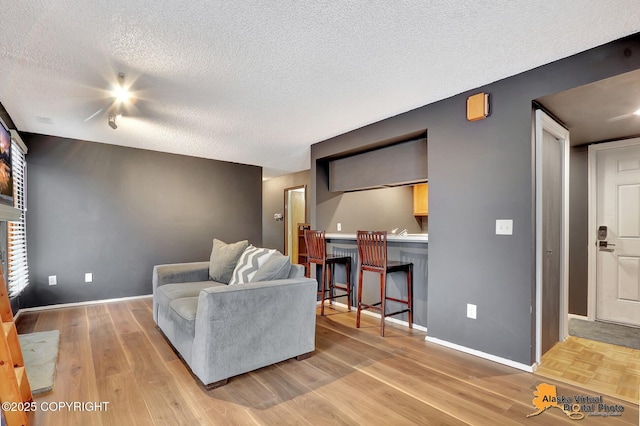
{"x": 114, "y": 353}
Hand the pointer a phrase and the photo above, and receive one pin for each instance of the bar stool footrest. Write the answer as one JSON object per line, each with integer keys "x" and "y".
{"x": 396, "y": 313}
{"x": 374, "y": 306}
{"x": 406, "y": 302}
{"x": 336, "y": 296}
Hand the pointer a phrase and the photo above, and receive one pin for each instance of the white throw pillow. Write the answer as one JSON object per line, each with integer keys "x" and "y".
{"x": 249, "y": 263}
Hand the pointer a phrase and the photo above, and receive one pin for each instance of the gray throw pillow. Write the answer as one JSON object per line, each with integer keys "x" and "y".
{"x": 276, "y": 268}
{"x": 224, "y": 258}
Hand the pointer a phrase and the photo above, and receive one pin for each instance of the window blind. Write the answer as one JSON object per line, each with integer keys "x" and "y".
{"x": 17, "y": 235}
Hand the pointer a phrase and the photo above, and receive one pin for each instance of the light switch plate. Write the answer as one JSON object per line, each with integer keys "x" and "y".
{"x": 53, "y": 280}
{"x": 504, "y": 227}
{"x": 88, "y": 277}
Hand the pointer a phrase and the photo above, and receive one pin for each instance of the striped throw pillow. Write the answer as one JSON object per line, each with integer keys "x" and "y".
{"x": 249, "y": 263}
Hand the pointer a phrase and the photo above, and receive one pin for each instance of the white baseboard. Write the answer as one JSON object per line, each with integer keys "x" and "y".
{"x": 377, "y": 315}
{"x": 494, "y": 358}
{"x": 89, "y": 302}
{"x": 580, "y": 317}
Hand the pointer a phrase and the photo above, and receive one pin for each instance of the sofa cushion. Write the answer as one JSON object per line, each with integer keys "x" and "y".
{"x": 276, "y": 268}
{"x": 250, "y": 261}
{"x": 185, "y": 308}
{"x": 165, "y": 294}
{"x": 224, "y": 258}
{"x": 182, "y": 313}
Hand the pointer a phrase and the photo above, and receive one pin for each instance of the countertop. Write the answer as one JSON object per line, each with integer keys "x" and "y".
{"x": 410, "y": 238}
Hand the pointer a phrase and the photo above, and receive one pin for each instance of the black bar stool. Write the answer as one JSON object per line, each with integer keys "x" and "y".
{"x": 372, "y": 249}
{"x": 317, "y": 254}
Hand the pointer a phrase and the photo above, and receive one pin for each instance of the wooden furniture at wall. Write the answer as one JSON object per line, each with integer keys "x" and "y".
{"x": 14, "y": 385}
{"x": 372, "y": 249}
{"x": 421, "y": 199}
{"x": 303, "y": 258}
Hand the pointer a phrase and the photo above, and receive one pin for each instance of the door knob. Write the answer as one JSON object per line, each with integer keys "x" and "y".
{"x": 604, "y": 246}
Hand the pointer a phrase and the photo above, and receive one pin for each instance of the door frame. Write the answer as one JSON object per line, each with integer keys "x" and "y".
{"x": 543, "y": 122}
{"x": 286, "y": 215}
{"x": 592, "y": 287}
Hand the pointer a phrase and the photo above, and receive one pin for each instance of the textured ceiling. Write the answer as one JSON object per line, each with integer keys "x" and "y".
{"x": 259, "y": 82}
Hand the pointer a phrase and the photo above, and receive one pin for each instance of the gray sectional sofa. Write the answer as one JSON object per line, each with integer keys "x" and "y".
{"x": 222, "y": 330}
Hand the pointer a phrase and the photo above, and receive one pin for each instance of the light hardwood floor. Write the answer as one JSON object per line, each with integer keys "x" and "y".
{"x": 114, "y": 353}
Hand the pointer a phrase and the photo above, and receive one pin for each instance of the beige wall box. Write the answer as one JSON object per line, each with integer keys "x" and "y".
{"x": 477, "y": 106}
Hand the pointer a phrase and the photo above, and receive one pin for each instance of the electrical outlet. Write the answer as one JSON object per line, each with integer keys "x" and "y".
{"x": 53, "y": 280}
{"x": 339, "y": 227}
{"x": 471, "y": 311}
{"x": 504, "y": 227}
{"x": 88, "y": 277}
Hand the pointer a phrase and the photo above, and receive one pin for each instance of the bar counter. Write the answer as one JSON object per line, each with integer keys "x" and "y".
{"x": 411, "y": 248}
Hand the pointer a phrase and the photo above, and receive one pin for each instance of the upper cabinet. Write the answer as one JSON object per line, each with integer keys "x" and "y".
{"x": 421, "y": 199}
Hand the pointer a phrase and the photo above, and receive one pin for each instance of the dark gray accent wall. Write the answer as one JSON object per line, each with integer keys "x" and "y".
{"x": 117, "y": 211}
{"x": 578, "y": 230}
{"x": 273, "y": 202}
{"x": 380, "y": 167}
{"x": 479, "y": 172}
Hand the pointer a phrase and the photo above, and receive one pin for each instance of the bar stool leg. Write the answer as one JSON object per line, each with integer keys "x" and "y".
{"x": 348, "y": 280}
{"x": 324, "y": 273}
{"x": 410, "y": 294}
{"x": 359, "y": 306}
{"x": 383, "y": 296}
{"x": 332, "y": 283}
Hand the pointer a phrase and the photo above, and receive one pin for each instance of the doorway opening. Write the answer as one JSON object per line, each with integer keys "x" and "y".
{"x": 614, "y": 244}
{"x": 295, "y": 208}
{"x": 595, "y": 114}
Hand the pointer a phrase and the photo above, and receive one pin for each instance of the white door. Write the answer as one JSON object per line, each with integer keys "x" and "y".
{"x": 618, "y": 252}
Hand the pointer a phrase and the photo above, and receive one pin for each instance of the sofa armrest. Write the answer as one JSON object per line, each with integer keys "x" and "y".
{"x": 179, "y": 273}
{"x": 243, "y": 327}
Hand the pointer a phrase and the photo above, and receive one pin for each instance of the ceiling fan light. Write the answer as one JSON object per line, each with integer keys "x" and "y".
{"x": 121, "y": 94}
{"x": 637, "y": 112}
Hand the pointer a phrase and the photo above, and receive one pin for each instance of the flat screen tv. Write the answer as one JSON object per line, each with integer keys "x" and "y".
{"x": 6, "y": 178}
